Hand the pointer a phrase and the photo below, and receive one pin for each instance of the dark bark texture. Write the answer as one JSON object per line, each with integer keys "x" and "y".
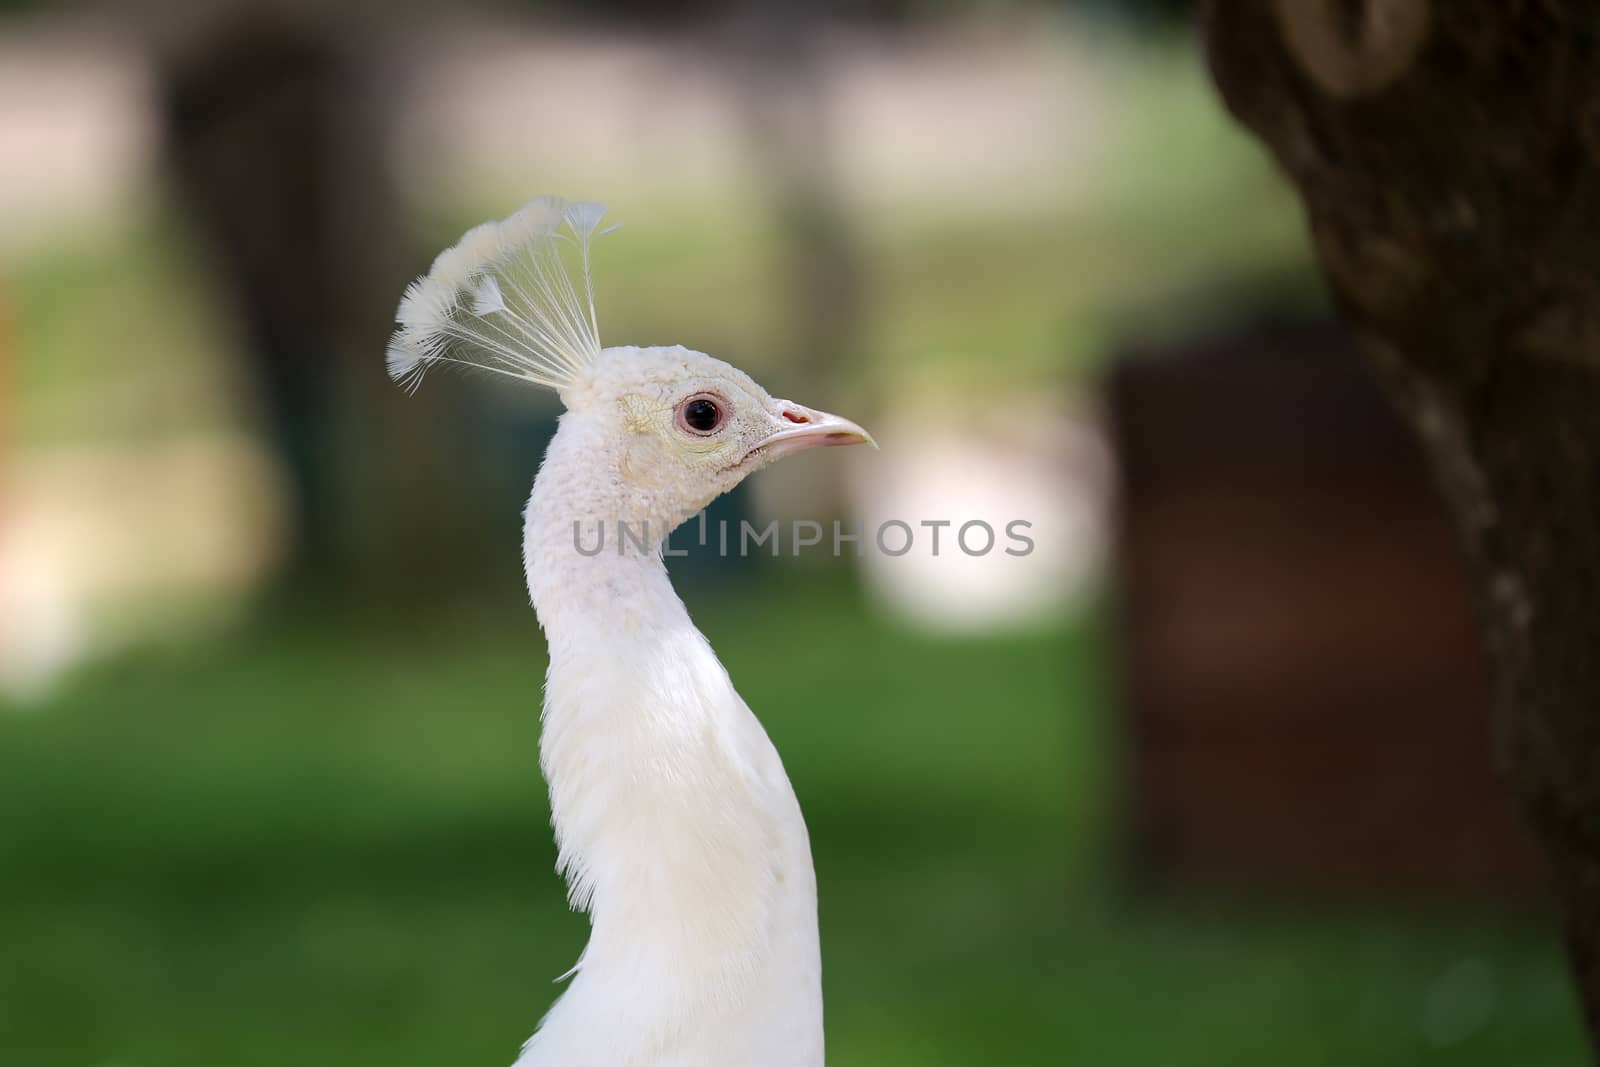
{"x": 1446, "y": 153}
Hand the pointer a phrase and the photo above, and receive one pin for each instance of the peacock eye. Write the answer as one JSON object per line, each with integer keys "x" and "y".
{"x": 700, "y": 414}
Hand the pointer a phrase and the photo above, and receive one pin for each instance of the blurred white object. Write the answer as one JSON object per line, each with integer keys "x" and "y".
{"x": 997, "y": 460}
{"x": 43, "y": 633}
{"x": 78, "y": 137}
{"x": 96, "y": 539}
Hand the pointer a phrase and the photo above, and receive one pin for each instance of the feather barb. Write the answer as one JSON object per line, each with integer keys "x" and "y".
{"x": 504, "y": 299}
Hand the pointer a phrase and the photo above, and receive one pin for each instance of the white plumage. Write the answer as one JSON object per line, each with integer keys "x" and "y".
{"x": 678, "y": 830}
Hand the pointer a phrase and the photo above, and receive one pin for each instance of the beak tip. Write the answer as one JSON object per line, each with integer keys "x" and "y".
{"x": 857, "y": 435}
{"x": 816, "y": 429}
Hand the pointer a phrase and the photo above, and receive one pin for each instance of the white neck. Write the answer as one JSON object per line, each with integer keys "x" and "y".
{"x": 677, "y": 827}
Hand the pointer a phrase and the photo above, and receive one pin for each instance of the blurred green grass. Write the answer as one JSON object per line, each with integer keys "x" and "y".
{"x": 326, "y": 843}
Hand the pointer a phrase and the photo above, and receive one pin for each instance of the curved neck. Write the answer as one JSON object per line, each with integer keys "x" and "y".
{"x": 676, "y": 826}
{"x": 591, "y": 549}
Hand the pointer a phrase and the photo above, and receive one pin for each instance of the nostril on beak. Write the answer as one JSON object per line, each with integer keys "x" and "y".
{"x": 796, "y": 416}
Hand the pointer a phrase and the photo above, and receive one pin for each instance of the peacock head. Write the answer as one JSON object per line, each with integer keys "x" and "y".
{"x": 692, "y": 426}
{"x": 673, "y": 428}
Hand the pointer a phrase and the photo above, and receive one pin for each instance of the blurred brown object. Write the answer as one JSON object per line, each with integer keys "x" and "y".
{"x": 276, "y": 126}
{"x": 250, "y": 112}
{"x": 1307, "y": 701}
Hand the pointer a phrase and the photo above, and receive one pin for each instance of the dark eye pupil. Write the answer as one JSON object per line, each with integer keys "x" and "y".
{"x": 701, "y": 415}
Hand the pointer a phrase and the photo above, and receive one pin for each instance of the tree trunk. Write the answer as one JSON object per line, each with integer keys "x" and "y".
{"x": 1446, "y": 154}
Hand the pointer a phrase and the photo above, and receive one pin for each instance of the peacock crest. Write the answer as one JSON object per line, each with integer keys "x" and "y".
{"x": 503, "y": 300}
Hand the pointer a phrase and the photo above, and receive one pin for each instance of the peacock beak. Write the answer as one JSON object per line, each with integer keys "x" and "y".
{"x": 809, "y": 428}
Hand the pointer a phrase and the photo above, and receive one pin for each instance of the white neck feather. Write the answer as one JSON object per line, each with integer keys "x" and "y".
{"x": 677, "y": 827}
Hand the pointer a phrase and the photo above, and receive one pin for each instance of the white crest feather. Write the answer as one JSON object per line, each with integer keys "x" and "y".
{"x": 487, "y": 297}
{"x": 502, "y": 299}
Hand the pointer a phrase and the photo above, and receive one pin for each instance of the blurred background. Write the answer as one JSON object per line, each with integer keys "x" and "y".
{"x": 1203, "y": 779}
